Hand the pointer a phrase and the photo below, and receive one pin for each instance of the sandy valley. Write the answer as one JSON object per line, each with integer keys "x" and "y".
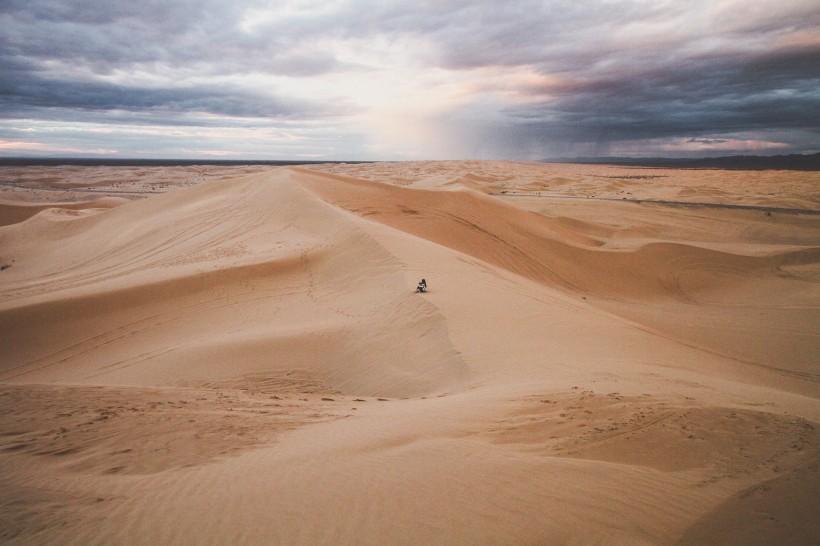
{"x": 236, "y": 355}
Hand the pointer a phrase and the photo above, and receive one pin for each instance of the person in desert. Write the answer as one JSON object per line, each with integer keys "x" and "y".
{"x": 422, "y": 286}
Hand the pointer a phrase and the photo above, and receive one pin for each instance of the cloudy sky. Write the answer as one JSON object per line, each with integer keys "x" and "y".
{"x": 408, "y": 80}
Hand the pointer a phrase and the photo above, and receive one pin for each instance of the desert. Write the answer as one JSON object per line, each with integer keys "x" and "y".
{"x": 236, "y": 355}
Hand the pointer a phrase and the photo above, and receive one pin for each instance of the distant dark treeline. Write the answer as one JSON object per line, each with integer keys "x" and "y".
{"x": 795, "y": 162}
{"x": 112, "y": 162}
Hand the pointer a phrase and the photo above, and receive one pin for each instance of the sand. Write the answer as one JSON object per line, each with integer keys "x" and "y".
{"x": 229, "y": 355}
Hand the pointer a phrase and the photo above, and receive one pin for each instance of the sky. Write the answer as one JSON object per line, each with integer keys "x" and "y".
{"x": 382, "y": 80}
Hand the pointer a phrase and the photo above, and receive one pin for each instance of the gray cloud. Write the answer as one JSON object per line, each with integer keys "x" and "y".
{"x": 28, "y": 94}
{"x": 777, "y": 90}
{"x": 613, "y": 72}
{"x": 102, "y": 36}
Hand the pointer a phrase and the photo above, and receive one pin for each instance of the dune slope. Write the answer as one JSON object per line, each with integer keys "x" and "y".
{"x": 245, "y": 361}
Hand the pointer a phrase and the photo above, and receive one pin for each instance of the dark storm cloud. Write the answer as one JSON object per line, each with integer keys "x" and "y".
{"x": 28, "y": 94}
{"x": 609, "y": 79}
{"x": 621, "y": 71}
{"x": 104, "y": 36}
{"x": 776, "y": 90}
{"x": 54, "y": 54}
{"x": 611, "y": 71}
{"x": 784, "y": 66}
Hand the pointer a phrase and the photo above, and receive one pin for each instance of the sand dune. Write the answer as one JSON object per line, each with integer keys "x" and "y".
{"x": 559, "y": 254}
{"x": 14, "y": 212}
{"x": 241, "y": 272}
{"x": 243, "y": 360}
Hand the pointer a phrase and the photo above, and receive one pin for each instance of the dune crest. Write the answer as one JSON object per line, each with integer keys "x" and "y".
{"x": 244, "y": 359}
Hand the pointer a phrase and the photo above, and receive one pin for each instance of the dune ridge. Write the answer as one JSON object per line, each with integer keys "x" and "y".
{"x": 544, "y": 250}
{"x": 13, "y": 212}
{"x": 243, "y": 360}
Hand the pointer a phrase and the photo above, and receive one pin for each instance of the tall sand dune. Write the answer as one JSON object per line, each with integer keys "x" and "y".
{"x": 244, "y": 361}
